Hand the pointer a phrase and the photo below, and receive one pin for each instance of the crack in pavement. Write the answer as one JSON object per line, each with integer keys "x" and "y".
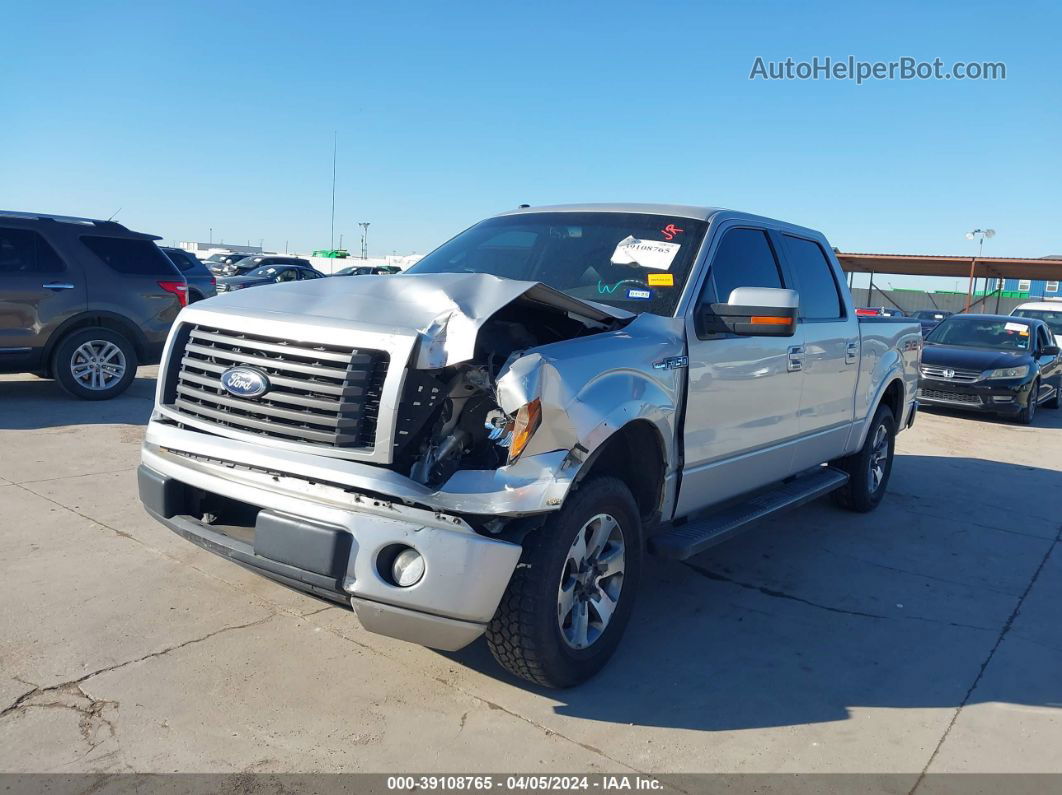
{"x": 775, "y": 594}
{"x": 984, "y": 665}
{"x": 26, "y": 700}
{"x": 481, "y": 700}
{"x": 70, "y": 477}
{"x": 918, "y": 574}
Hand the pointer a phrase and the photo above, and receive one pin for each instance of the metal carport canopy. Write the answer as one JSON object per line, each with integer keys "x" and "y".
{"x": 933, "y": 265}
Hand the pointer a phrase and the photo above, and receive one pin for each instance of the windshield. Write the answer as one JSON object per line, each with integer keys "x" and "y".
{"x": 982, "y": 332}
{"x": 636, "y": 262}
{"x": 1053, "y": 319}
{"x": 267, "y": 271}
{"x": 930, "y": 314}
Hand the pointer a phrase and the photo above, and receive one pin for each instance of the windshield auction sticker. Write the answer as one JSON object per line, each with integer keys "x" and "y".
{"x": 653, "y": 254}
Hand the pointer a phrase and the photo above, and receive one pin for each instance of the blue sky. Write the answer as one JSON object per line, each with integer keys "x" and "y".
{"x": 197, "y": 115}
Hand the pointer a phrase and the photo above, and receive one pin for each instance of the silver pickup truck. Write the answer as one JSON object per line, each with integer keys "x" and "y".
{"x": 490, "y": 442}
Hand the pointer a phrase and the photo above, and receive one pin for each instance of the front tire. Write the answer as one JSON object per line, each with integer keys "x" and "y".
{"x": 571, "y": 595}
{"x": 870, "y": 468}
{"x": 1053, "y": 403}
{"x": 1028, "y": 414}
{"x": 94, "y": 364}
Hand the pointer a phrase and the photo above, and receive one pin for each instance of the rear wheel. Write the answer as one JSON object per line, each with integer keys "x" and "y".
{"x": 870, "y": 468}
{"x": 570, "y": 597}
{"x": 94, "y": 364}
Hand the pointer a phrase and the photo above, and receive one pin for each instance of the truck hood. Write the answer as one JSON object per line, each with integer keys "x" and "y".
{"x": 445, "y": 310}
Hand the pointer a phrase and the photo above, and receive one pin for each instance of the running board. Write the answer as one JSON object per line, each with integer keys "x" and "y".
{"x": 689, "y": 539}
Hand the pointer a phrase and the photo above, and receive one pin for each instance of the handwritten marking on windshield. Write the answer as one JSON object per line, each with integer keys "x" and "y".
{"x": 670, "y": 231}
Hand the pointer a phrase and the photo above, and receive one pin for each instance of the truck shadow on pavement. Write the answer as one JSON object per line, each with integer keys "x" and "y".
{"x": 30, "y": 403}
{"x": 821, "y": 614}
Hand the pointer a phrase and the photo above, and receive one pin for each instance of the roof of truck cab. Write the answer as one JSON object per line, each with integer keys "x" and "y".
{"x": 695, "y": 212}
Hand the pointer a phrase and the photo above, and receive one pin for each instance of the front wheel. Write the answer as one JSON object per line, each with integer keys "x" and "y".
{"x": 571, "y": 595}
{"x": 1028, "y": 414}
{"x": 870, "y": 468}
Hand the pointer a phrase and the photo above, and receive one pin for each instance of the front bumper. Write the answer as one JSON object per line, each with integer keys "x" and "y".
{"x": 995, "y": 397}
{"x": 328, "y": 541}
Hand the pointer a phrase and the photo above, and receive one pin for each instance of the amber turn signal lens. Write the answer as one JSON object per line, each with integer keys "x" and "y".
{"x": 770, "y": 321}
{"x": 528, "y": 418}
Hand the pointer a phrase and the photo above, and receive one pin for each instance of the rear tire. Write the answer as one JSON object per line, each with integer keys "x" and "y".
{"x": 551, "y": 627}
{"x": 94, "y": 364}
{"x": 870, "y": 468}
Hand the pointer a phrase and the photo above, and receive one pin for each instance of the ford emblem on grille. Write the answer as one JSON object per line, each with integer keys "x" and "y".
{"x": 245, "y": 382}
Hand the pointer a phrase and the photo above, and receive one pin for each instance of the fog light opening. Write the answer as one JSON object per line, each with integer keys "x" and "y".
{"x": 401, "y": 565}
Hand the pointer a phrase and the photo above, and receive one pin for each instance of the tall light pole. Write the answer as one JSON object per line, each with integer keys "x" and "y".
{"x": 980, "y": 234}
{"x": 332, "y": 230}
{"x": 364, "y": 238}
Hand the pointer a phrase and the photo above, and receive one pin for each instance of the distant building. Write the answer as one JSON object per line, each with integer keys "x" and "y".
{"x": 209, "y": 248}
{"x": 1034, "y": 288}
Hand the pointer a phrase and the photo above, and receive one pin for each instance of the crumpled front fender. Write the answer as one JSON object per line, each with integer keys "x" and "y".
{"x": 592, "y": 387}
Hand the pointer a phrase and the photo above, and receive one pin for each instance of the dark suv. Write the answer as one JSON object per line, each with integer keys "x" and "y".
{"x": 83, "y": 301}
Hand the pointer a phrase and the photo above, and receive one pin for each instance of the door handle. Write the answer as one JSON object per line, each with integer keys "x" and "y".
{"x": 851, "y": 353}
{"x": 795, "y": 358}
{"x": 58, "y": 286}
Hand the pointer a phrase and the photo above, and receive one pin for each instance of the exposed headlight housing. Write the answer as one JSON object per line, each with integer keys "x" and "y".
{"x": 528, "y": 418}
{"x": 1008, "y": 372}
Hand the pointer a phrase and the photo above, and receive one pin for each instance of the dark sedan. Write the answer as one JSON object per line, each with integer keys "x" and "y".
{"x": 991, "y": 363}
{"x": 219, "y": 264}
{"x": 930, "y": 318}
{"x": 267, "y": 274}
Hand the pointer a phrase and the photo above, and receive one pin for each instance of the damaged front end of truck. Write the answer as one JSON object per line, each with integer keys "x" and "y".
{"x": 388, "y": 446}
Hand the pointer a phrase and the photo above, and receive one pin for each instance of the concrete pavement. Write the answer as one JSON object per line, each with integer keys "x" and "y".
{"x": 921, "y": 637}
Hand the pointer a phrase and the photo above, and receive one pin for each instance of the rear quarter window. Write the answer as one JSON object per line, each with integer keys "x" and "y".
{"x": 820, "y": 298}
{"x": 130, "y": 257}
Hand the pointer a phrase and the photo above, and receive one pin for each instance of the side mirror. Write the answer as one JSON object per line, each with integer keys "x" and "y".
{"x": 753, "y": 312}
{"x": 1050, "y": 350}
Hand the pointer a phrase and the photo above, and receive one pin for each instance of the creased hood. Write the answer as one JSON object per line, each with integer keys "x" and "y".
{"x": 446, "y": 310}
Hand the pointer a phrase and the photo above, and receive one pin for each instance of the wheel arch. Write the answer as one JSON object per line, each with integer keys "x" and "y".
{"x": 96, "y": 319}
{"x": 636, "y": 455}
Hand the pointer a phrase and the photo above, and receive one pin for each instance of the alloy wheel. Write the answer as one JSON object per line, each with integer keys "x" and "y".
{"x": 98, "y": 365}
{"x": 879, "y": 457}
{"x": 591, "y": 581}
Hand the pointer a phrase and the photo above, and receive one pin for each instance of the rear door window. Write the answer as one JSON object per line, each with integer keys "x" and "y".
{"x": 23, "y": 251}
{"x": 820, "y": 298}
{"x": 131, "y": 257}
{"x": 744, "y": 259}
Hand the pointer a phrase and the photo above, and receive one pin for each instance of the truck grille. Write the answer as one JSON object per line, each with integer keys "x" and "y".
{"x": 949, "y": 397}
{"x": 321, "y": 395}
{"x": 950, "y": 374}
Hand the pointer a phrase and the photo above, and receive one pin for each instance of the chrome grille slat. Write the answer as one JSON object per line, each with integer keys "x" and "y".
{"x": 250, "y": 423}
{"x": 956, "y": 375}
{"x": 317, "y": 387}
{"x": 265, "y": 362}
{"x": 243, "y": 341}
{"x": 269, "y": 411}
{"x": 321, "y": 404}
{"x": 319, "y": 395}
